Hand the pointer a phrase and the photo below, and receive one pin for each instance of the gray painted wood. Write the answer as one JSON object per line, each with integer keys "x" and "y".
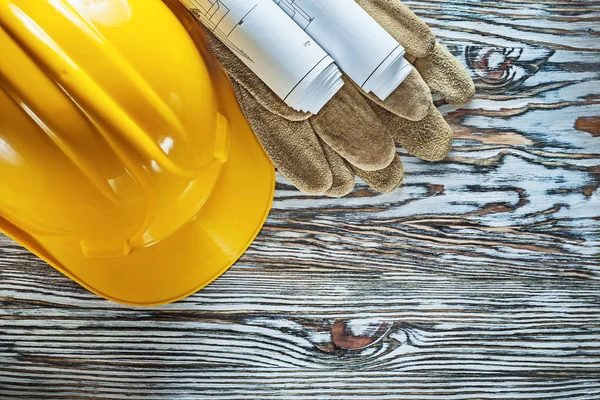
{"x": 478, "y": 279}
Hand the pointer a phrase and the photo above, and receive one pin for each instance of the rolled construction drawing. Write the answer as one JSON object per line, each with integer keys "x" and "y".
{"x": 365, "y": 51}
{"x": 276, "y": 49}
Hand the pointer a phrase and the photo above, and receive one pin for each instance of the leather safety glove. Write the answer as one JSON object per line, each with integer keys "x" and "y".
{"x": 355, "y": 133}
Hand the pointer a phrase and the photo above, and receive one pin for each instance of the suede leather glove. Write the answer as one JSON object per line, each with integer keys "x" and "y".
{"x": 355, "y": 133}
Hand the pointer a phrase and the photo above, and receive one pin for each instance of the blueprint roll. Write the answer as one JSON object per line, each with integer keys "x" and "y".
{"x": 275, "y": 48}
{"x": 365, "y": 51}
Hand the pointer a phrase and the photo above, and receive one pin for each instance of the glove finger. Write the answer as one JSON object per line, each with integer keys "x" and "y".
{"x": 429, "y": 139}
{"x": 386, "y": 180}
{"x": 408, "y": 29}
{"x": 350, "y": 127}
{"x": 446, "y": 76}
{"x": 411, "y": 100}
{"x": 292, "y": 145}
{"x": 343, "y": 175}
{"x": 239, "y": 72}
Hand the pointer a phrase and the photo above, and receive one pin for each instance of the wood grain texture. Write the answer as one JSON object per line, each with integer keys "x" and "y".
{"x": 480, "y": 278}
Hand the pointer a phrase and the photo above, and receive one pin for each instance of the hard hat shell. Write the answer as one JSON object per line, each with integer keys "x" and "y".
{"x": 125, "y": 161}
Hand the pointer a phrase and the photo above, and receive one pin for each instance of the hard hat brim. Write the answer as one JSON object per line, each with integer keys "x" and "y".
{"x": 199, "y": 252}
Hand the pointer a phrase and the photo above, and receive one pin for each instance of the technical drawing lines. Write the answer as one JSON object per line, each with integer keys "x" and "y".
{"x": 216, "y": 17}
{"x": 296, "y": 12}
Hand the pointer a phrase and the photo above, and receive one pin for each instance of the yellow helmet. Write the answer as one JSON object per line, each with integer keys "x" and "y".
{"x": 125, "y": 161}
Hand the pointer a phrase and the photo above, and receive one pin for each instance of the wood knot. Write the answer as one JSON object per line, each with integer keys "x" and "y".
{"x": 358, "y": 334}
{"x": 499, "y": 70}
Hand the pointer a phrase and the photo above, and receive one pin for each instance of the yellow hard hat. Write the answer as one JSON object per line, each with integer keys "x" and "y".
{"x": 125, "y": 161}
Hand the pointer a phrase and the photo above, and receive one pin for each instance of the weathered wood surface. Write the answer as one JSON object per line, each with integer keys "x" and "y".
{"x": 479, "y": 279}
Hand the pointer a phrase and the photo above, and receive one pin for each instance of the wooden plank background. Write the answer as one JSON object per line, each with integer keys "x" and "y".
{"x": 478, "y": 279}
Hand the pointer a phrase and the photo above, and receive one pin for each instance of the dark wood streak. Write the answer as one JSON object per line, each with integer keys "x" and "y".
{"x": 588, "y": 124}
{"x": 479, "y": 279}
